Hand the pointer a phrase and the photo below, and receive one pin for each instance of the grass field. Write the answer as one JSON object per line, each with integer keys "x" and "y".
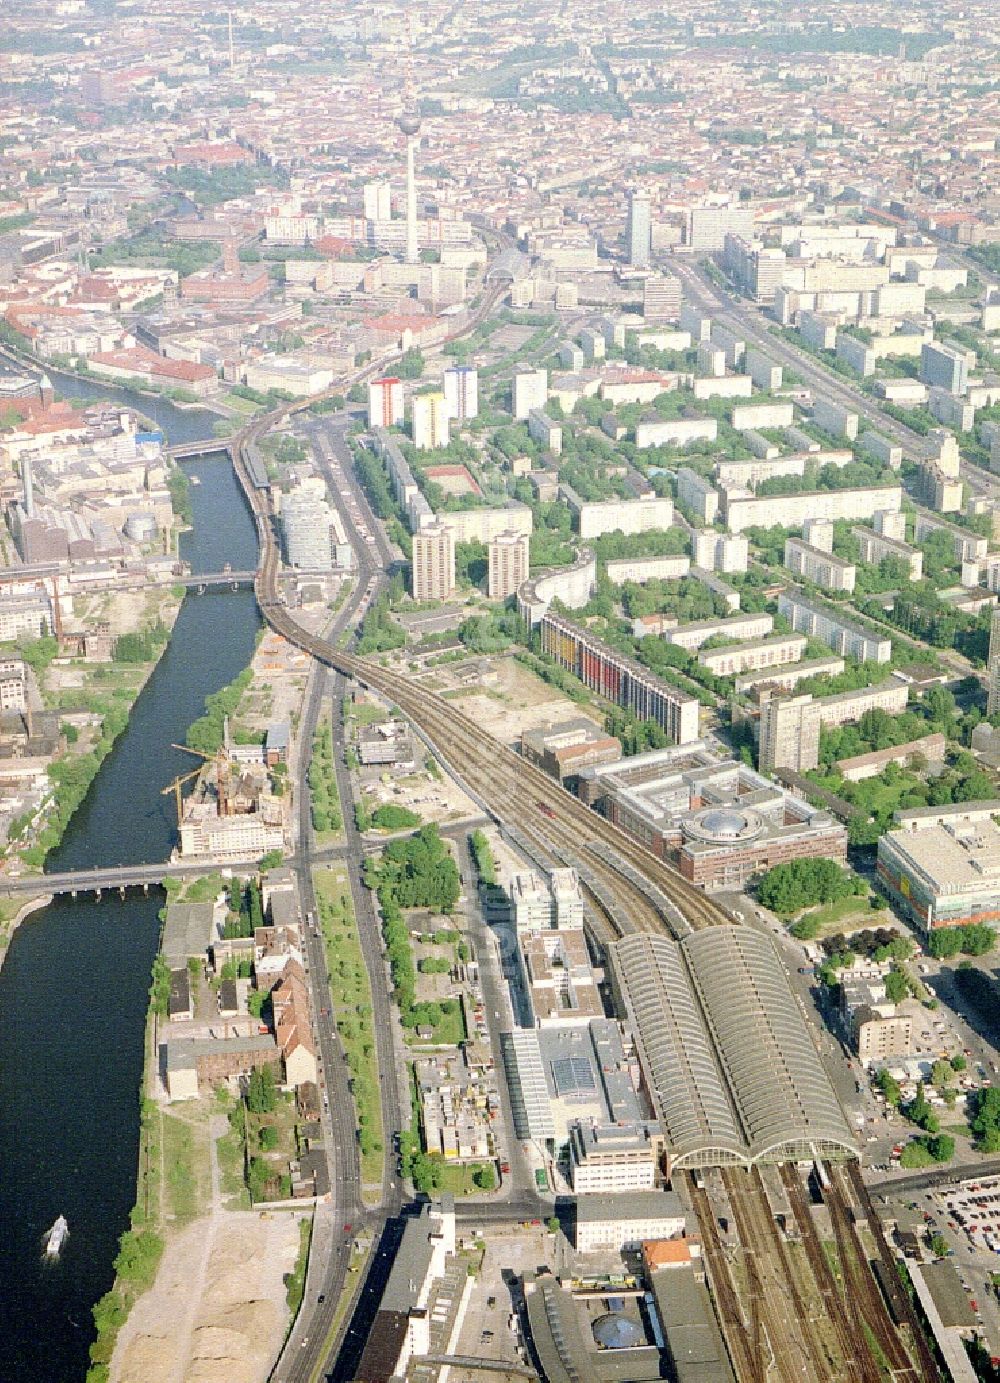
{"x": 186, "y": 1174}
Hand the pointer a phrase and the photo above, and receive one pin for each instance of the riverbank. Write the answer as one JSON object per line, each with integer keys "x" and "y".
{"x": 74, "y": 986}
{"x": 92, "y": 698}
{"x": 9, "y": 925}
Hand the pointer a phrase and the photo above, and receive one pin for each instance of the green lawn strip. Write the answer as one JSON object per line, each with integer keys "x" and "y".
{"x": 295, "y": 1281}
{"x": 350, "y": 993}
{"x": 830, "y": 914}
{"x": 180, "y": 1150}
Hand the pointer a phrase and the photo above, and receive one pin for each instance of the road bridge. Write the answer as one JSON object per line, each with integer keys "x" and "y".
{"x": 188, "y": 451}
{"x": 206, "y": 580}
{"x": 124, "y": 876}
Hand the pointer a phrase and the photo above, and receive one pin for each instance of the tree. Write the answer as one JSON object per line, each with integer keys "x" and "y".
{"x": 485, "y": 1177}
{"x": 938, "y": 1244}
{"x": 942, "y": 1147}
{"x": 889, "y": 1086}
{"x": 411, "y": 366}
{"x": 941, "y": 1073}
{"x": 919, "y": 1111}
{"x": 261, "y": 1095}
{"x": 915, "y": 1154}
{"x": 801, "y": 883}
{"x": 896, "y": 987}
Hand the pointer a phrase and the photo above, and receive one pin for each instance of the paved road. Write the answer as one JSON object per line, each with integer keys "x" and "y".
{"x": 337, "y": 1224}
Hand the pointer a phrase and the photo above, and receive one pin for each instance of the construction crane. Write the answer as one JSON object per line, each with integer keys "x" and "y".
{"x": 175, "y": 788}
{"x": 221, "y": 760}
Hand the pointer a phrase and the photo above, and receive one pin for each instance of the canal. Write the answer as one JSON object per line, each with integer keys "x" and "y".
{"x": 73, "y": 989}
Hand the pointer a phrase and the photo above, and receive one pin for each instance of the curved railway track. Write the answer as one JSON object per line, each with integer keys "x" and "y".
{"x": 503, "y": 781}
{"x": 656, "y": 898}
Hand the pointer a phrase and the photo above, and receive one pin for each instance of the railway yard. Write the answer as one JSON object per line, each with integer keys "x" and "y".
{"x": 729, "y": 1080}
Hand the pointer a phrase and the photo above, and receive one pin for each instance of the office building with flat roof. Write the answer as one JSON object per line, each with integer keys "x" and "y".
{"x": 942, "y": 865}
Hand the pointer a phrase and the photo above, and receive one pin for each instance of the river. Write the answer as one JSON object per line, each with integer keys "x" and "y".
{"x": 73, "y": 989}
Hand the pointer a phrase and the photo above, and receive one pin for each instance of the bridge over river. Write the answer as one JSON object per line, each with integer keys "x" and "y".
{"x": 124, "y": 876}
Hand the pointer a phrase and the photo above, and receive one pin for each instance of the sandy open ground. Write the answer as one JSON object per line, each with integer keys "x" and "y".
{"x": 217, "y": 1312}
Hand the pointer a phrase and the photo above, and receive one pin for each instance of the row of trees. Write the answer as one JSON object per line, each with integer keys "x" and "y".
{"x": 483, "y": 856}
{"x": 974, "y": 939}
{"x": 324, "y": 800}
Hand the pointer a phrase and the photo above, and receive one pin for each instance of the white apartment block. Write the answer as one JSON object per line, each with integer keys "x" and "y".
{"x": 618, "y": 515}
{"x": 642, "y": 569}
{"x": 792, "y": 511}
{"x": 754, "y": 655}
{"x": 697, "y": 494}
{"x": 721, "y": 552}
{"x": 530, "y": 390}
{"x": 429, "y": 416}
{"x": 461, "y": 392}
{"x": 820, "y": 567}
{"x": 876, "y": 546}
{"x": 843, "y": 635}
{"x": 743, "y": 627}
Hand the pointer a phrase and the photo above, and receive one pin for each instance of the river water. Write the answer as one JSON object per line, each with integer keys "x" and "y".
{"x": 73, "y": 989}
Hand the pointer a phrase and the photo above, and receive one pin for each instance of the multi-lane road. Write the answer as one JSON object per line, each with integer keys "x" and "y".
{"x": 339, "y": 1221}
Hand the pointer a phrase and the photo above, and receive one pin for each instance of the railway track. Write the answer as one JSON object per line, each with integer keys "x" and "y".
{"x": 927, "y": 1369}
{"x": 860, "y": 1286}
{"x": 744, "y": 1342}
{"x": 656, "y": 898}
{"x": 795, "y": 1344}
{"x": 853, "y": 1345}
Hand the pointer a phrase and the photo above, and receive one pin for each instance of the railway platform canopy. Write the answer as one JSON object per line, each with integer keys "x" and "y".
{"x": 732, "y": 1068}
